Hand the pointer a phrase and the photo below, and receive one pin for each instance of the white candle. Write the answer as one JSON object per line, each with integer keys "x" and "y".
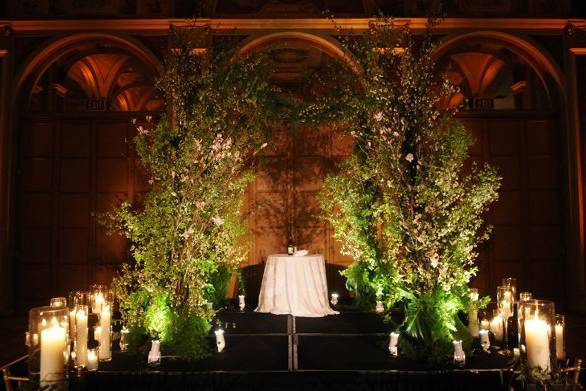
{"x": 92, "y": 360}
{"x": 380, "y": 308}
{"x": 53, "y": 343}
{"x": 154, "y": 357}
{"x": 98, "y": 302}
{"x": 81, "y": 337}
{"x": 72, "y": 323}
{"x": 105, "y": 351}
{"x": 241, "y": 302}
{"x": 485, "y": 324}
{"x": 459, "y": 355}
{"x": 393, "y": 344}
{"x": 537, "y": 343}
{"x": 484, "y": 339}
{"x": 560, "y": 350}
{"x": 334, "y": 299}
{"x": 496, "y": 326}
{"x": 220, "y": 341}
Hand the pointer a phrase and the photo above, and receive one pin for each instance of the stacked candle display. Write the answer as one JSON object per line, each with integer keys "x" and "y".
{"x": 48, "y": 353}
{"x": 102, "y": 306}
{"x": 538, "y": 329}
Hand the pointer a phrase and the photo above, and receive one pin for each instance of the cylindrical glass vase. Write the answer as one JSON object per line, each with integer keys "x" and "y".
{"x": 98, "y": 296}
{"x": 48, "y": 347}
{"x": 539, "y": 336}
{"x": 560, "y": 339}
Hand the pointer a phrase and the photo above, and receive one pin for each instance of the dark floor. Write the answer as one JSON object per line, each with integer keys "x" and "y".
{"x": 353, "y": 341}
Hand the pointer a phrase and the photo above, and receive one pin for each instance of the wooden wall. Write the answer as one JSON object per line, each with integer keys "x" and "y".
{"x": 70, "y": 168}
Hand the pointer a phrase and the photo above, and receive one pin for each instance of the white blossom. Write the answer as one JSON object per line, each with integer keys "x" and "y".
{"x": 409, "y": 157}
{"x": 218, "y": 220}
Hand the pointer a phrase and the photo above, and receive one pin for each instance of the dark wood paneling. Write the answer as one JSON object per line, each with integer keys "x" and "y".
{"x": 69, "y": 170}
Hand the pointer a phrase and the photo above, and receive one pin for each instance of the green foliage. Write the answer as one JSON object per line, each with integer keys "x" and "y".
{"x": 186, "y": 237}
{"x": 402, "y": 206}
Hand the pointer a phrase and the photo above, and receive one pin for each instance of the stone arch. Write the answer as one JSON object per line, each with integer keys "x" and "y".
{"x": 531, "y": 52}
{"x": 41, "y": 59}
{"x": 326, "y": 44}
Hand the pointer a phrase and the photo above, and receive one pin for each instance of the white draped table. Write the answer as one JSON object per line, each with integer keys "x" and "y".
{"x": 295, "y": 285}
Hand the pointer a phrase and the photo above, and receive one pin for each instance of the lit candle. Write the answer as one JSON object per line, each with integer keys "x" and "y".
{"x": 496, "y": 326}
{"x": 537, "y": 343}
{"x": 220, "y": 340}
{"x": 459, "y": 355}
{"x": 560, "y": 349}
{"x": 393, "y": 344}
{"x": 241, "y": 302}
{"x": 154, "y": 357}
{"x": 53, "y": 343}
{"x": 98, "y": 302}
{"x": 72, "y": 323}
{"x": 485, "y": 324}
{"x": 484, "y": 339}
{"x": 334, "y": 299}
{"x": 98, "y": 333}
{"x": 380, "y": 308}
{"x": 81, "y": 337}
{"x": 92, "y": 360}
{"x": 105, "y": 351}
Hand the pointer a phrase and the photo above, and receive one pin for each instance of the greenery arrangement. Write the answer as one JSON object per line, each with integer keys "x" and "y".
{"x": 186, "y": 237}
{"x": 402, "y": 205}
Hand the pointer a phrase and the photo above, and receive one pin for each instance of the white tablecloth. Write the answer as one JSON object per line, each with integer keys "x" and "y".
{"x": 295, "y": 285}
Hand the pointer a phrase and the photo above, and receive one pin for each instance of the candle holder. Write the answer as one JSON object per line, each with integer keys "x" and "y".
{"x": 154, "y": 357}
{"x": 220, "y": 340}
{"x": 98, "y": 296}
{"x": 393, "y": 342}
{"x": 81, "y": 335}
{"x": 48, "y": 347}
{"x": 58, "y": 302}
{"x": 105, "y": 335}
{"x": 334, "y": 299}
{"x": 506, "y": 303}
{"x": 484, "y": 340}
{"x": 539, "y": 337}
{"x": 459, "y": 355}
{"x": 496, "y": 326}
{"x": 523, "y": 297}
{"x": 124, "y": 339}
{"x": 92, "y": 360}
{"x": 379, "y": 308}
{"x": 560, "y": 342}
{"x": 241, "y": 302}
{"x": 511, "y": 283}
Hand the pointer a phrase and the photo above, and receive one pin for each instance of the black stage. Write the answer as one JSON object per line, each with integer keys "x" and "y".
{"x": 270, "y": 352}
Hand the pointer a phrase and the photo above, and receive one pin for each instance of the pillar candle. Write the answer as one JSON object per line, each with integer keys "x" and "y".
{"x": 53, "y": 344}
{"x": 220, "y": 340}
{"x": 560, "y": 349}
{"x": 485, "y": 324}
{"x": 72, "y": 323}
{"x": 81, "y": 337}
{"x": 98, "y": 302}
{"x": 105, "y": 351}
{"x": 92, "y": 360}
{"x": 241, "y": 302}
{"x": 537, "y": 343}
{"x": 380, "y": 308}
{"x": 484, "y": 339}
{"x": 393, "y": 344}
{"x": 496, "y": 326}
{"x": 334, "y": 299}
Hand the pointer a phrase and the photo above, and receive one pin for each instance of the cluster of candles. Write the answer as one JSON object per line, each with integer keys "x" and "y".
{"x": 540, "y": 332}
{"x": 64, "y": 329}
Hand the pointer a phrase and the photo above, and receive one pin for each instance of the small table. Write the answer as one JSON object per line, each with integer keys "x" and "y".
{"x": 295, "y": 285}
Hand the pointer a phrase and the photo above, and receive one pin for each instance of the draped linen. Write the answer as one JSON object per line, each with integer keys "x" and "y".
{"x": 295, "y": 285}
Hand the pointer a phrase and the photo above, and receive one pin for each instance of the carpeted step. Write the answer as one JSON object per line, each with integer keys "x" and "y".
{"x": 250, "y": 322}
{"x": 343, "y": 323}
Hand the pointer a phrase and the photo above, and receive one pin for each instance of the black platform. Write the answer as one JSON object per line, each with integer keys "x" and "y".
{"x": 269, "y": 352}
